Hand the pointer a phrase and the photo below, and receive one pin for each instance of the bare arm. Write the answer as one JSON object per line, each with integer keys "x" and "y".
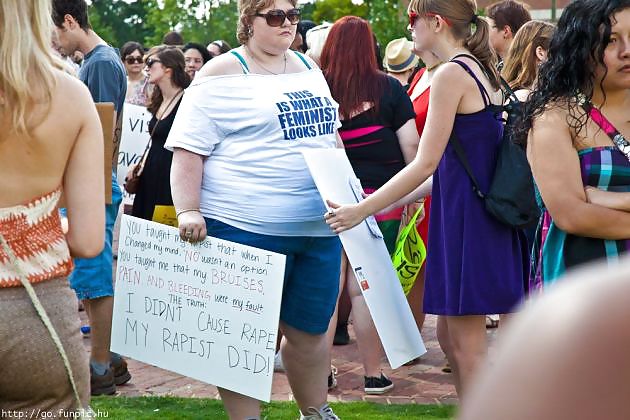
{"x": 447, "y": 89}
{"x": 610, "y": 199}
{"x": 186, "y": 174}
{"x": 83, "y": 183}
{"x": 408, "y": 140}
{"x": 556, "y": 169}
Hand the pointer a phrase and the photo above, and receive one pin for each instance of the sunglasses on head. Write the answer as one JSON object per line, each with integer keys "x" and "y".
{"x": 413, "y": 17}
{"x": 151, "y": 61}
{"x": 133, "y": 60}
{"x": 276, "y": 17}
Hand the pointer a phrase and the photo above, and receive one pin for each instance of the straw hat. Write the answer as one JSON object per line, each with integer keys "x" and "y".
{"x": 399, "y": 56}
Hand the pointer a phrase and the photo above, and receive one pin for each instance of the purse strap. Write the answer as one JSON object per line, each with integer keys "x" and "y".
{"x": 617, "y": 138}
{"x": 157, "y": 121}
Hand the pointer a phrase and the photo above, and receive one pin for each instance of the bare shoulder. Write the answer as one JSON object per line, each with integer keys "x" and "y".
{"x": 221, "y": 65}
{"x": 551, "y": 125}
{"x": 72, "y": 90}
{"x": 450, "y": 73}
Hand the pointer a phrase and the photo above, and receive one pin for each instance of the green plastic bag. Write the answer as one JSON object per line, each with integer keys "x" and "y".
{"x": 410, "y": 253}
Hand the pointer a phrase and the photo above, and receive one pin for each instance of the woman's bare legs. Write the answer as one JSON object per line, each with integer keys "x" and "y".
{"x": 239, "y": 406}
{"x": 415, "y": 298}
{"x": 465, "y": 344}
{"x": 306, "y": 360}
{"x": 369, "y": 343}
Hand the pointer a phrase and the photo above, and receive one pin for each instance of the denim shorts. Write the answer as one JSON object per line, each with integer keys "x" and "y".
{"x": 93, "y": 277}
{"x": 311, "y": 276}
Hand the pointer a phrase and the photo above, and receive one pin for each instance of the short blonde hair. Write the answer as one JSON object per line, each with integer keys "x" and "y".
{"x": 246, "y": 10}
{"x": 26, "y": 60}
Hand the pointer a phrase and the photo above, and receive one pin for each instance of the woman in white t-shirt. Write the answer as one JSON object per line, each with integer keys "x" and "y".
{"x": 238, "y": 174}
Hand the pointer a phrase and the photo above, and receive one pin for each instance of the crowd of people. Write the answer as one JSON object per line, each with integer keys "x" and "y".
{"x": 422, "y": 125}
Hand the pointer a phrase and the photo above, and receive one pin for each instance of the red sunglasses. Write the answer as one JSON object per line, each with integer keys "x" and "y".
{"x": 413, "y": 17}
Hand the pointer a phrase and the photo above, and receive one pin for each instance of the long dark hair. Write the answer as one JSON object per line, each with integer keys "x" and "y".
{"x": 172, "y": 58}
{"x": 348, "y": 61}
{"x": 575, "y": 52}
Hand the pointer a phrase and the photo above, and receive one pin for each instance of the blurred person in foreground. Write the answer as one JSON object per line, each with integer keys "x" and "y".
{"x": 573, "y": 366}
{"x": 51, "y": 143}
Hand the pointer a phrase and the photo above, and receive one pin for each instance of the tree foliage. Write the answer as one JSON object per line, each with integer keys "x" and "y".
{"x": 331, "y": 10}
{"x": 146, "y": 21}
{"x": 389, "y": 20}
{"x": 118, "y": 21}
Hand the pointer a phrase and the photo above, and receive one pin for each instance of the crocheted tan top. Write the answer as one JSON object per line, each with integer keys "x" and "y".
{"x": 33, "y": 232}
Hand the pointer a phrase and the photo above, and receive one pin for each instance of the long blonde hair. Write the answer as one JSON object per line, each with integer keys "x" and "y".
{"x": 26, "y": 61}
{"x": 461, "y": 17}
{"x": 520, "y": 69}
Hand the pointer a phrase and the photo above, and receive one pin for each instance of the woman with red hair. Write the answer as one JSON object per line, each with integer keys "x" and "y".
{"x": 379, "y": 133}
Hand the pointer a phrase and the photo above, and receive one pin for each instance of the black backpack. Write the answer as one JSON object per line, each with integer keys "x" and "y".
{"x": 511, "y": 198}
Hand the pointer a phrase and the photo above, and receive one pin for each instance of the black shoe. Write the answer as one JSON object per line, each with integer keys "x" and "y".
{"x": 121, "y": 373}
{"x": 102, "y": 384}
{"x": 376, "y": 386}
{"x": 341, "y": 335}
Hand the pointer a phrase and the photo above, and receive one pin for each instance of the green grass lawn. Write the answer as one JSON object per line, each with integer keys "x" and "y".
{"x": 143, "y": 408}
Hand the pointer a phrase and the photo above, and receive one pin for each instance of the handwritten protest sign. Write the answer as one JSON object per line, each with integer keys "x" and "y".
{"x": 135, "y": 136}
{"x": 209, "y": 311}
{"x": 369, "y": 259}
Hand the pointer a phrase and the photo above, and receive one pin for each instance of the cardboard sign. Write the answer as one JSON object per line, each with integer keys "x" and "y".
{"x": 369, "y": 259}
{"x": 106, "y": 114}
{"x": 209, "y": 311}
{"x": 134, "y": 140}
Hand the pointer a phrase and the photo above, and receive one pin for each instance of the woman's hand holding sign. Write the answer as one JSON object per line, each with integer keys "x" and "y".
{"x": 341, "y": 218}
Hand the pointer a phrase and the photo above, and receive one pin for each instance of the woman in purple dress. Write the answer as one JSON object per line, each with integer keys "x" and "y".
{"x": 475, "y": 264}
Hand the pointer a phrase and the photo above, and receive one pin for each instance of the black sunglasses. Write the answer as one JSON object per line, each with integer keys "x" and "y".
{"x": 151, "y": 61}
{"x": 276, "y": 17}
{"x": 133, "y": 60}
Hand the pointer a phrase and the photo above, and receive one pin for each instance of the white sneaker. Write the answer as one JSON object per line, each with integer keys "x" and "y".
{"x": 278, "y": 366}
{"x": 324, "y": 413}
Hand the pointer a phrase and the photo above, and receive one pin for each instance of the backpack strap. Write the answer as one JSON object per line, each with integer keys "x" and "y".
{"x": 304, "y": 60}
{"x": 617, "y": 138}
{"x": 241, "y": 60}
{"x": 461, "y": 155}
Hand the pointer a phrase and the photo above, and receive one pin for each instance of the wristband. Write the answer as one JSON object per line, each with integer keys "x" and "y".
{"x": 185, "y": 211}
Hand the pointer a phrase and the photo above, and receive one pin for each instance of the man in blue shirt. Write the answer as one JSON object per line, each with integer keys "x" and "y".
{"x": 103, "y": 73}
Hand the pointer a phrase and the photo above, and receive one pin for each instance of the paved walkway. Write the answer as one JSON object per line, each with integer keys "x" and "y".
{"x": 424, "y": 383}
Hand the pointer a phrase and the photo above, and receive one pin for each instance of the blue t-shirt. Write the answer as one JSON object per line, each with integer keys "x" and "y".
{"x": 104, "y": 75}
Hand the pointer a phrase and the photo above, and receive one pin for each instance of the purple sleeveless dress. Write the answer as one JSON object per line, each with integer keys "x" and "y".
{"x": 475, "y": 264}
